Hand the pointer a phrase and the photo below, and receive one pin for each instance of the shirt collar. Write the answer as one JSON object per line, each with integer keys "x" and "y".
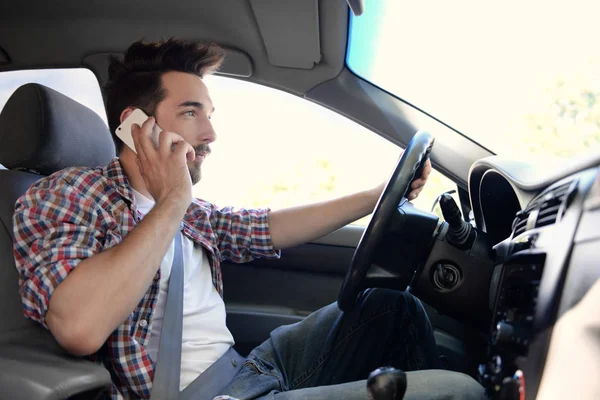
{"x": 114, "y": 171}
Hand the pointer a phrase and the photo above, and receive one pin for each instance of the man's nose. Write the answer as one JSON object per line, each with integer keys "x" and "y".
{"x": 208, "y": 134}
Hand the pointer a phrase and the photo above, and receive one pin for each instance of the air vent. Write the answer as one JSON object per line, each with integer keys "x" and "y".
{"x": 545, "y": 209}
{"x": 520, "y": 223}
{"x": 553, "y": 205}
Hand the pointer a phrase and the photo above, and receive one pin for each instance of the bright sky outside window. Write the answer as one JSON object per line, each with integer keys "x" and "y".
{"x": 521, "y": 78}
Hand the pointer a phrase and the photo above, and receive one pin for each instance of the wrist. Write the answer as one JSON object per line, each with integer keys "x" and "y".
{"x": 367, "y": 201}
{"x": 174, "y": 203}
{"x": 375, "y": 193}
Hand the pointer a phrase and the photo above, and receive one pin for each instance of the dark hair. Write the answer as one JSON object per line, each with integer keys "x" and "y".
{"x": 136, "y": 79}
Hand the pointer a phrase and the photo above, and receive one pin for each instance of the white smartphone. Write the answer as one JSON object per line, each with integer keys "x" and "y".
{"x": 137, "y": 116}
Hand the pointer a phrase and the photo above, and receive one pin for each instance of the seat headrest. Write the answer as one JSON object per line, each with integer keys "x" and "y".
{"x": 46, "y": 131}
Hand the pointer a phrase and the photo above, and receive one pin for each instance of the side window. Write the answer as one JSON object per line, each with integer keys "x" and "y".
{"x": 273, "y": 149}
{"x": 80, "y": 84}
{"x": 277, "y": 150}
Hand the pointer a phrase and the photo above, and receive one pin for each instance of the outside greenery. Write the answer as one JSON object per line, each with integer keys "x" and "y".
{"x": 569, "y": 125}
{"x": 562, "y": 121}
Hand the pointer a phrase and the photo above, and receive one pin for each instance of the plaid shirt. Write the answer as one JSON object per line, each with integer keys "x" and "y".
{"x": 78, "y": 212}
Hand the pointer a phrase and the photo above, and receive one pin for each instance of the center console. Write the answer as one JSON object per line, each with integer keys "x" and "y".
{"x": 526, "y": 288}
{"x": 512, "y": 324}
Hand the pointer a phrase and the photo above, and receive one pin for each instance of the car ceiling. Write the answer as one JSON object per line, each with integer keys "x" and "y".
{"x": 295, "y": 46}
{"x": 37, "y": 33}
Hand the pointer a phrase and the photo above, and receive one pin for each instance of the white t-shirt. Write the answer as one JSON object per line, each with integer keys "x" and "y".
{"x": 205, "y": 335}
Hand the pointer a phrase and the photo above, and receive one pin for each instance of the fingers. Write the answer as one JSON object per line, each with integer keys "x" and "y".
{"x": 165, "y": 141}
{"x": 424, "y": 174}
{"x": 135, "y": 135}
{"x": 183, "y": 148}
{"x": 415, "y": 193}
{"x": 422, "y": 180}
{"x": 418, "y": 184}
{"x": 142, "y": 139}
{"x": 171, "y": 142}
{"x": 140, "y": 166}
{"x": 427, "y": 170}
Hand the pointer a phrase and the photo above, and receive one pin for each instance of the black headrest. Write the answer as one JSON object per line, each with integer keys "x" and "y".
{"x": 45, "y": 131}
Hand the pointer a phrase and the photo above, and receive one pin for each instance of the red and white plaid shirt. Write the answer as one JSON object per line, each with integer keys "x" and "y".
{"x": 78, "y": 212}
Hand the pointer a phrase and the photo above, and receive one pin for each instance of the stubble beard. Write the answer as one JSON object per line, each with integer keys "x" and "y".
{"x": 195, "y": 167}
{"x": 195, "y": 172}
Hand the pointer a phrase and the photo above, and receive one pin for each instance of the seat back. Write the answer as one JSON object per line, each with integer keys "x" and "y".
{"x": 15, "y": 328}
{"x": 44, "y": 131}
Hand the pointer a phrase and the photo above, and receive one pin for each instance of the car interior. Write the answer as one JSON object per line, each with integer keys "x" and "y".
{"x": 493, "y": 282}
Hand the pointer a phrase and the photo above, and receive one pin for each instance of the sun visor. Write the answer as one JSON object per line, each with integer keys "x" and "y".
{"x": 290, "y": 31}
{"x": 237, "y": 63}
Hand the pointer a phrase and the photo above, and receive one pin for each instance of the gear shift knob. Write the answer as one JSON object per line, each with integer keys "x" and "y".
{"x": 386, "y": 383}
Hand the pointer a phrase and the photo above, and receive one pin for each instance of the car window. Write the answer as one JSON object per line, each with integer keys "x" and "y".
{"x": 273, "y": 150}
{"x": 521, "y": 78}
{"x": 276, "y": 150}
{"x": 80, "y": 84}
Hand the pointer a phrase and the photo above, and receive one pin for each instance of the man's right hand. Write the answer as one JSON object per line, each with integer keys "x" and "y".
{"x": 164, "y": 169}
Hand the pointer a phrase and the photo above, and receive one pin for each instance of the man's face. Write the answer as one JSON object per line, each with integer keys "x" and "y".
{"x": 186, "y": 110}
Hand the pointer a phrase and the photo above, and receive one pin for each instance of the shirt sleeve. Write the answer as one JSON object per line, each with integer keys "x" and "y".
{"x": 243, "y": 234}
{"x": 55, "y": 228}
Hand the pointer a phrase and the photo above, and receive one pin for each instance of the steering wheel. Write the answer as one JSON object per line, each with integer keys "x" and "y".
{"x": 409, "y": 166}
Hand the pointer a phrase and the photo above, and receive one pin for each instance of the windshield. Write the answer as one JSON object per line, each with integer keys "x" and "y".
{"x": 521, "y": 78}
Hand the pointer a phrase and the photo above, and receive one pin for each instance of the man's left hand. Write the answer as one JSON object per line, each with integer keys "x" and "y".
{"x": 416, "y": 186}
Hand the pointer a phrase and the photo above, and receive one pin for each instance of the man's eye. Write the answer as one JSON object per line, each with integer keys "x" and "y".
{"x": 190, "y": 113}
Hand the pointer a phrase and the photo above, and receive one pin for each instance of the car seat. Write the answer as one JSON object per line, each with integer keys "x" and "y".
{"x": 41, "y": 132}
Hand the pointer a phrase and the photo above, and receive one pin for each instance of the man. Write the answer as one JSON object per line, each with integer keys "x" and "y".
{"x": 95, "y": 269}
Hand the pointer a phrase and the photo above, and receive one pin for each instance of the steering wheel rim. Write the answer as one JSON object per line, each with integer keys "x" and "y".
{"x": 410, "y": 163}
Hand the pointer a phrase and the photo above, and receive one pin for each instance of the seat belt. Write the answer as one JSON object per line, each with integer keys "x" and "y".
{"x": 168, "y": 366}
{"x": 210, "y": 383}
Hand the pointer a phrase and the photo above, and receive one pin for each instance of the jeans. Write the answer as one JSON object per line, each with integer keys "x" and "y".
{"x": 326, "y": 355}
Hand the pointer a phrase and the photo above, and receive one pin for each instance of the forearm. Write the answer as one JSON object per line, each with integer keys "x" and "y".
{"x": 102, "y": 290}
{"x": 297, "y": 225}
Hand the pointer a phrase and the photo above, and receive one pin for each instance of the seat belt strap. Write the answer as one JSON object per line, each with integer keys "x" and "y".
{"x": 168, "y": 364}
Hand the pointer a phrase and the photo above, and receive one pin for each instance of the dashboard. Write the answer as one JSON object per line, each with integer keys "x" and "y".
{"x": 544, "y": 226}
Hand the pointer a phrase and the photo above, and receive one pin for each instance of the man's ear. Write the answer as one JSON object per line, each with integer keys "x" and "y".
{"x": 126, "y": 113}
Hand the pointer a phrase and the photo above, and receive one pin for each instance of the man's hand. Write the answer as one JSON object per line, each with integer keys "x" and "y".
{"x": 164, "y": 169}
{"x": 419, "y": 183}
{"x": 416, "y": 186}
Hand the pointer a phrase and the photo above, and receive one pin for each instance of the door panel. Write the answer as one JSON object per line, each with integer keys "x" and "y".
{"x": 265, "y": 294}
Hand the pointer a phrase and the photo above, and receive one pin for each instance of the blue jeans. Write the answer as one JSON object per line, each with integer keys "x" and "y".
{"x": 325, "y": 354}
